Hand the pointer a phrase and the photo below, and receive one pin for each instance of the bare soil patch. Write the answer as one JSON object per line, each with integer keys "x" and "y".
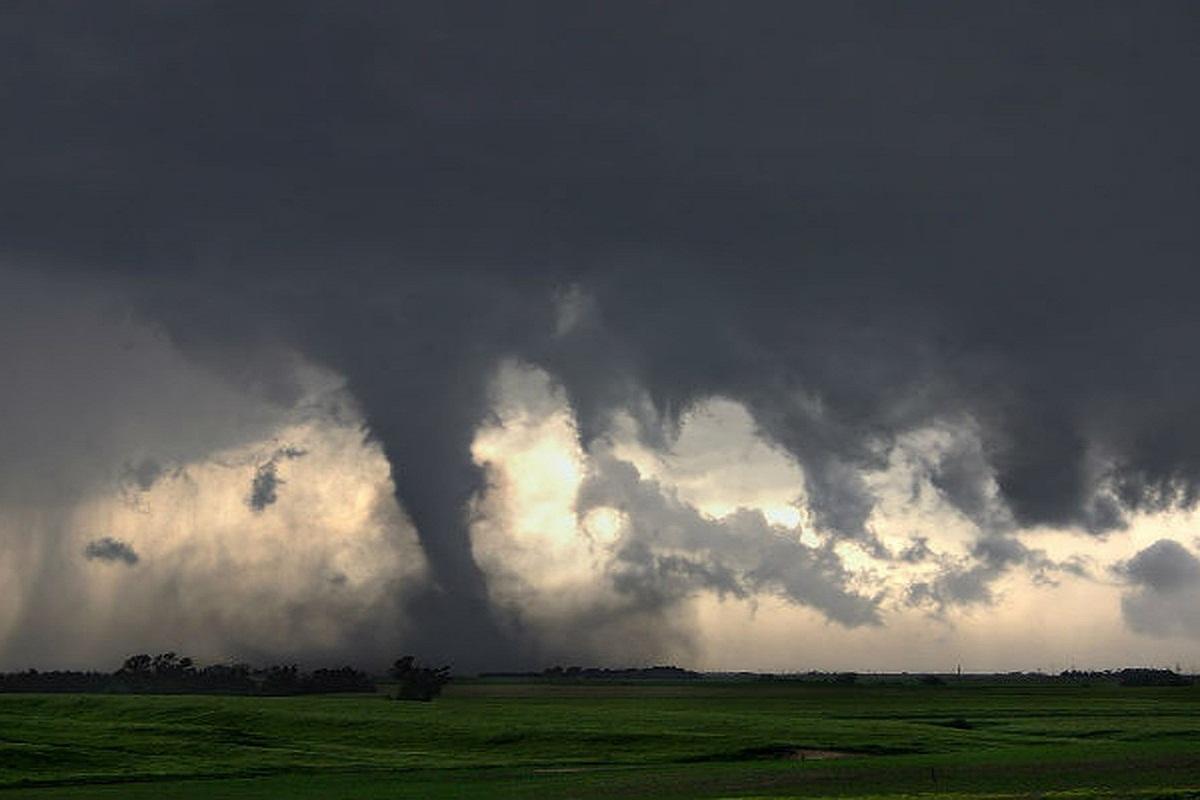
{"x": 804, "y": 754}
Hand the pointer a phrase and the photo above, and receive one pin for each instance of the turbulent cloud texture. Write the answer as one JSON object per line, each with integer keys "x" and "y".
{"x": 857, "y": 223}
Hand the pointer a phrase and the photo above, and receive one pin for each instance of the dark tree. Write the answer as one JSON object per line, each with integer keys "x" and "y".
{"x": 415, "y": 682}
{"x": 226, "y": 678}
{"x": 1142, "y": 676}
{"x": 138, "y": 665}
{"x": 345, "y": 679}
{"x": 280, "y": 679}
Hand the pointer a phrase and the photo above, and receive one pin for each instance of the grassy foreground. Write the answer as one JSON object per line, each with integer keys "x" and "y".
{"x": 530, "y": 740}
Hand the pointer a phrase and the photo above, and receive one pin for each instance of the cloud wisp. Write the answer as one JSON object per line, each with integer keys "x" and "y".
{"x": 106, "y": 548}
{"x": 265, "y": 485}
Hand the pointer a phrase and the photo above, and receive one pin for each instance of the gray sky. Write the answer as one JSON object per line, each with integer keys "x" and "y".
{"x": 872, "y": 322}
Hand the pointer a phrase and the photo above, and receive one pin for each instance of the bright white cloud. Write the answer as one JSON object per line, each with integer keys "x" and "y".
{"x": 1044, "y": 606}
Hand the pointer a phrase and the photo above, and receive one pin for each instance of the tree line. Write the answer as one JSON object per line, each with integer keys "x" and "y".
{"x": 170, "y": 673}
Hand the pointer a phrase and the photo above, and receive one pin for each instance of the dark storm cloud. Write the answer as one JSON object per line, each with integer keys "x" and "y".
{"x": 1164, "y": 566}
{"x": 854, "y": 219}
{"x": 1164, "y": 590}
{"x": 110, "y": 549}
{"x": 963, "y": 476}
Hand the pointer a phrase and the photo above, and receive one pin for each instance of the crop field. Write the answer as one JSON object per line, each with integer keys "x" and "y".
{"x": 559, "y": 740}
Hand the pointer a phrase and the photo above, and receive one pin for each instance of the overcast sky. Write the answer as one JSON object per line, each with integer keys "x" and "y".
{"x": 784, "y": 336}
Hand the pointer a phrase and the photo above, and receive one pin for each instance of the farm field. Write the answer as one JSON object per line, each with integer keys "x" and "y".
{"x": 558, "y": 740}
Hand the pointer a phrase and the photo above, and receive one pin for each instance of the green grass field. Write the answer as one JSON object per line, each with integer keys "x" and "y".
{"x": 530, "y": 740}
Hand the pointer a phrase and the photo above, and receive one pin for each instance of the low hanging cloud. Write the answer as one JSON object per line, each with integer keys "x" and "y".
{"x": 620, "y": 579}
{"x": 1163, "y": 594}
{"x": 968, "y": 580}
{"x": 112, "y": 550}
{"x": 950, "y": 477}
{"x": 669, "y": 549}
{"x": 588, "y": 554}
{"x": 264, "y": 487}
{"x": 142, "y": 475}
